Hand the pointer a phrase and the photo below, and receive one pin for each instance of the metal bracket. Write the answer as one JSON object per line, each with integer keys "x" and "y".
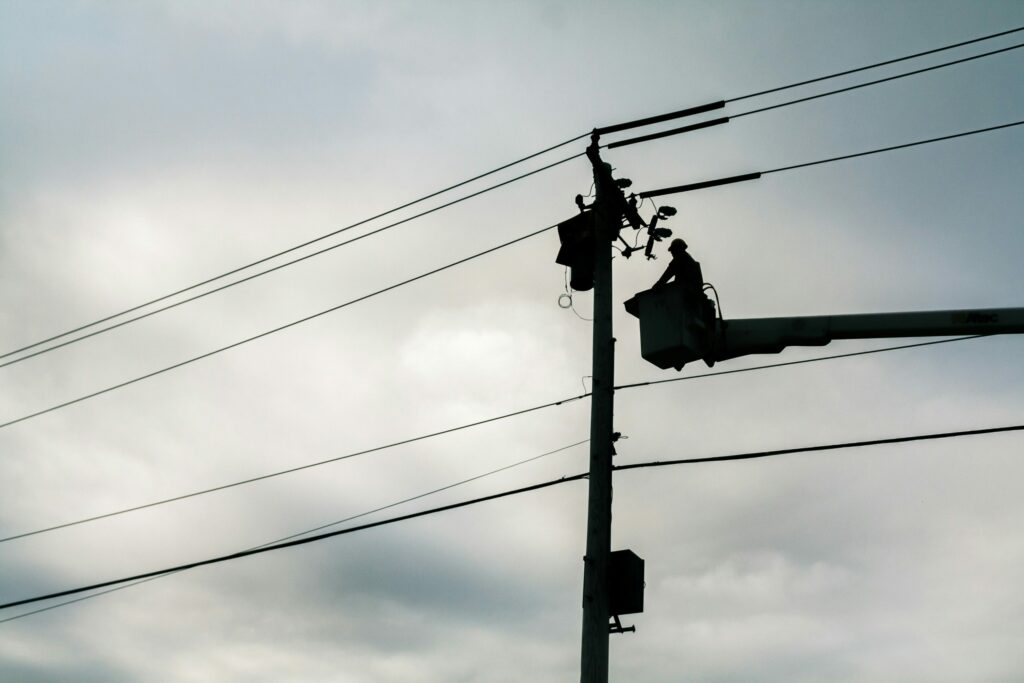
{"x": 617, "y": 627}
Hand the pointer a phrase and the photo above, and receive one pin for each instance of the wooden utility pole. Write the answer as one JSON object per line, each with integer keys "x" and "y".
{"x": 607, "y": 219}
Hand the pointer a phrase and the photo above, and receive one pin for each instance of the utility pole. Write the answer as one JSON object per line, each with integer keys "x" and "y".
{"x": 607, "y": 220}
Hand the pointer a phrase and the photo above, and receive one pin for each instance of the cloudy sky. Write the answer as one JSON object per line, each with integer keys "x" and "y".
{"x": 148, "y": 146}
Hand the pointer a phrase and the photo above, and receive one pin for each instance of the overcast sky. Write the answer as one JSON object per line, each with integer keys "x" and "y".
{"x": 147, "y": 146}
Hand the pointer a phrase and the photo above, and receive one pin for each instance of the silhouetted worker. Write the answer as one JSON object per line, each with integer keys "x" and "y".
{"x": 683, "y": 268}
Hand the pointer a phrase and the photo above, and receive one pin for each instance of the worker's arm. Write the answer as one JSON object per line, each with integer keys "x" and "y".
{"x": 666, "y": 276}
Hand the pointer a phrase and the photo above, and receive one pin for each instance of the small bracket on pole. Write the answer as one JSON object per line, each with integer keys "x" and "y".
{"x": 617, "y": 626}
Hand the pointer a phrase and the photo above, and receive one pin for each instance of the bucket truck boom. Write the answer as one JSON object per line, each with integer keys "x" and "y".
{"x": 677, "y": 326}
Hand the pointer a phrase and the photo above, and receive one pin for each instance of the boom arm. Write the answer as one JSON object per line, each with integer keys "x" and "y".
{"x": 771, "y": 335}
{"x": 676, "y": 328}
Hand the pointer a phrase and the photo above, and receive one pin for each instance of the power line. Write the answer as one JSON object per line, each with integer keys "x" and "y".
{"x": 889, "y": 149}
{"x": 296, "y": 542}
{"x": 877, "y": 64}
{"x": 504, "y": 494}
{"x": 607, "y": 129}
{"x": 314, "y": 529}
{"x": 826, "y": 447}
{"x": 290, "y": 470}
{"x": 757, "y": 174}
{"x": 309, "y": 242}
{"x": 652, "y": 193}
{"x": 797, "y": 362}
{"x": 271, "y": 270}
{"x": 721, "y": 103}
{"x": 726, "y": 119}
{"x": 276, "y": 329}
{"x": 469, "y": 425}
{"x": 876, "y": 82}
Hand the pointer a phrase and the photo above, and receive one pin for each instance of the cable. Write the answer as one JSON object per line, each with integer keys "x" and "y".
{"x": 483, "y": 175}
{"x": 470, "y": 425}
{"x": 706, "y": 124}
{"x": 689, "y": 187}
{"x": 309, "y": 531}
{"x": 826, "y": 447}
{"x": 797, "y": 362}
{"x": 272, "y": 331}
{"x": 512, "y": 492}
{"x": 299, "y": 246}
{"x": 277, "y": 267}
{"x": 889, "y": 149}
{"x": 290, "y": 470}
{"x": 296, "y": 542}
{"x": 876, "y": 82}
{"x": 877, "y": 64}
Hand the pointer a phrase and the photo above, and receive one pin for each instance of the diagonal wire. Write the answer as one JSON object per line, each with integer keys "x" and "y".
{"x": 462, "y": 183}
{"x": 310, "y": 531}
{"x": 290, "y": 470}
{"x": 295, "y": 542}
{"x": 705, "y": 124}
{"x": 877, "y": 64}
{"x": 876, "y": 82}
{"x": 268, "y": 270}
{"x": 894, "y": 147}
{"x": 504, "y": 494}
{"x": 274, "y": 330}
{"x": 825, "y": 447}
{"x": 469, "y": 425}
{"x": 798, "y": 362}
{"x": 300, "y": 246}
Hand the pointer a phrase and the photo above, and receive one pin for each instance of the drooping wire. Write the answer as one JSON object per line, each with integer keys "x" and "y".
{"x": 567, "y": 296}
{"x": 718, "y": 304}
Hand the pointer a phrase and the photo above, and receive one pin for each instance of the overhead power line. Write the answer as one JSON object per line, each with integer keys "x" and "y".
{"x": 274, "y": 330}
{"x": 307, "y": 243}
{"x": 877, "y": 64}
{"x": 504, "y": 494}
{"x": 469, "y": 425}
{"x": 802, "y": 361}
{"x": 893, "y": 147}
{"x": 607, "y": 129}
{"x": 690, "y": 111}
{"x": 757, "y": 174}
{"x": 825, "y": 447}
{"x": 878, "y": 81}
{"x": 650, "y": 193}
{"x": 290, "y": 470}
{"x": 293, "y": 543}
{"x": 314, "y": 529}
{"x": 279, "y": 266}
{"x": 726, "y": 119}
